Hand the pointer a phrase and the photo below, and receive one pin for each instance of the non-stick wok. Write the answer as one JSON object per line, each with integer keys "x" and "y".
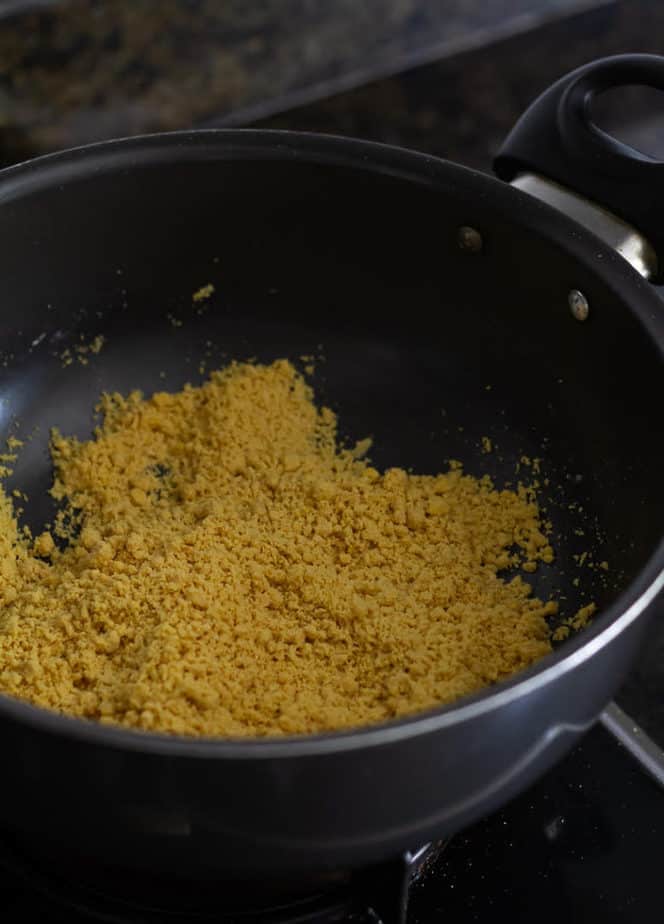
{"x": 447, "y": 306}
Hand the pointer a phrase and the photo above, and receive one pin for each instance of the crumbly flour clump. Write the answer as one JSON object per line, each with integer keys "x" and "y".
{"x": 231, "y": 570}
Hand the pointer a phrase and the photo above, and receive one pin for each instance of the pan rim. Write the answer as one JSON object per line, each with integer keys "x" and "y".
{"x": 75, "y": 163}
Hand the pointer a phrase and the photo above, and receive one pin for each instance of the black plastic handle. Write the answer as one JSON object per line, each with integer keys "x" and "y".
{"x": 556, "y": 138}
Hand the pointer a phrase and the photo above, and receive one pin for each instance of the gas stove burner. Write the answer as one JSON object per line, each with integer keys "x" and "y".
{"x": 378, "y": 895}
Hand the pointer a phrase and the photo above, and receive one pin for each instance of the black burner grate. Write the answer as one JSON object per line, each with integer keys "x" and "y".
{"x": 379, "y": 894}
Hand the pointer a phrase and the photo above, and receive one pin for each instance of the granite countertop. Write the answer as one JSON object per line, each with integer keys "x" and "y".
{"x": 75, "y": 71}
{"x": 462, "y": 107}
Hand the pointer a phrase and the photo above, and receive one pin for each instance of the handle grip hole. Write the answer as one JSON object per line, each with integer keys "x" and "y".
{"x": 633, "y": 115}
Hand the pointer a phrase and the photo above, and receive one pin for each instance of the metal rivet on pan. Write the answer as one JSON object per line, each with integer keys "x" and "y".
{"x": 469, "y": 239}
{"x": 578, "y": 304}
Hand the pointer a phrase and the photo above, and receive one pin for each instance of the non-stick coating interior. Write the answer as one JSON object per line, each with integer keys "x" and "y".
{"x": 423, "y": 346}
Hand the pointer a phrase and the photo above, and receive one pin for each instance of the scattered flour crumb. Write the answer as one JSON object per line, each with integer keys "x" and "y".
{"x": 200, "y": 295}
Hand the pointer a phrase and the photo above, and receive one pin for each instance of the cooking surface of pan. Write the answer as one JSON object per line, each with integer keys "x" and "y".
{"x": 423, "y": 346}
{"x": 348, "y": 252}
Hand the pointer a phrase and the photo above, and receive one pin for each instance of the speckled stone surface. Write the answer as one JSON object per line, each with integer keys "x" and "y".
{"x": 74, "y": 71}
{"x": 461, "y": 108}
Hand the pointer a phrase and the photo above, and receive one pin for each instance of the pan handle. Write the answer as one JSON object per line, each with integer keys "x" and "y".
{"x": 556, "y": 145}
